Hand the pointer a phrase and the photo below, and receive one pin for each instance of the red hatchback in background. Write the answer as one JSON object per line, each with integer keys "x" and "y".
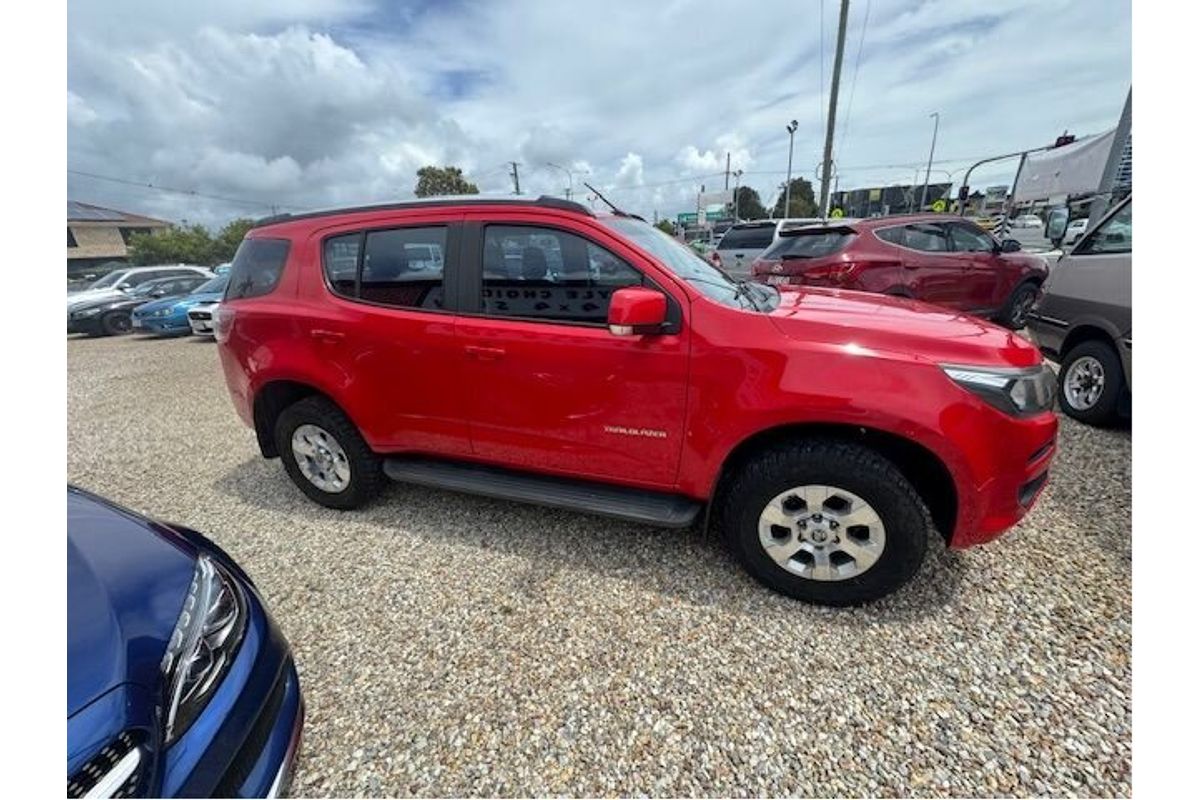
{"x": 947, "y": 261}
{"x": 533, "y": 350}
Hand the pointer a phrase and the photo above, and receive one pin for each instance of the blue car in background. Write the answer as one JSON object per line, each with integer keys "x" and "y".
{"x": 170, "y": 314}
{"x": 179, "y": 684}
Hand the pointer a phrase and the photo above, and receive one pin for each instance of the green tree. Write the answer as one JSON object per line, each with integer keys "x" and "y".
{"x": 803, "y": 204}
{"x": 177, "y": 244}
{"x": 749, "y": 205}
{"x": 227, "y": 241}
{"x": 666, "y": 226}
{"x": 190, "y": 244}
{"x": 433, "y": 181}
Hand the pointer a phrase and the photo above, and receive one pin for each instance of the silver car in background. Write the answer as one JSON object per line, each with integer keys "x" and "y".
{"x": 1084, "y": 320}
{"x": 746, "y": 241}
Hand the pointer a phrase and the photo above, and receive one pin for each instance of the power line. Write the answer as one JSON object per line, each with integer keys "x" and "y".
{"x": 189, "y": 192}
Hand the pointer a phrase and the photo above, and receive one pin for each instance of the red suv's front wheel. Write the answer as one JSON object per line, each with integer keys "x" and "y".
{"x": 826, "y": 522}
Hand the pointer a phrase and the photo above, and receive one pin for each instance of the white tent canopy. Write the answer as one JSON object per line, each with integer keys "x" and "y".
{"x": 1076, "y": 168}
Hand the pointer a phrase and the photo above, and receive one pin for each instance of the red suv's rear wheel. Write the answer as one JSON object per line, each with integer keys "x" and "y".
{"x": 826, "y": 522}
{"x": 326, "y": 456}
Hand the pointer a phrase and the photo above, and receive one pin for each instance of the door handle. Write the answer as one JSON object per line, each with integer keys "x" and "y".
{"x": 485, "y": 353}
{"x": 329, "y": 337}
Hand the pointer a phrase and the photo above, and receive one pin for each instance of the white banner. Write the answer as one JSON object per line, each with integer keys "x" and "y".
{"x": 1071, "y": 169}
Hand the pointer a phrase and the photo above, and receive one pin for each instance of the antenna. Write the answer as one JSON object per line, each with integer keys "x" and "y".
{"x": 596, "y": 192}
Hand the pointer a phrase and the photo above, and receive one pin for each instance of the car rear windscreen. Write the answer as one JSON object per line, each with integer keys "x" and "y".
{"x": 256, "y": 268}
{"x": 810, "y": 243}
{"x": 755, "y": 238}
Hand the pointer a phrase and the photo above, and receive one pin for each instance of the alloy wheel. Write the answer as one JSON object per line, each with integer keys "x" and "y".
{"x": 321, "y": 458}
{"x": 823, "y": 533}
{"x": 1084, "y": 383}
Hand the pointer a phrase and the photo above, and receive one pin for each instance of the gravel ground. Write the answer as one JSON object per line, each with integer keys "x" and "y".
{"x": 450, "y": 645}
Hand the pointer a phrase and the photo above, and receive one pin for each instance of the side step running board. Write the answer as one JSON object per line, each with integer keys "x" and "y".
{"x": 637, "y": 505}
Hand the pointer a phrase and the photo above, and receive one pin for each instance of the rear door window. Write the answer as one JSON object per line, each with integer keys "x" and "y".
{"x": 924, "y": 236}
{"x": 758, "y": 237}
{"x": 257, "y": 268}
{"x": 404, "y": 267}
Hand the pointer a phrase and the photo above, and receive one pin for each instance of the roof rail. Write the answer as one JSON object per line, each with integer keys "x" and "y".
{"x": 544, "y": 201}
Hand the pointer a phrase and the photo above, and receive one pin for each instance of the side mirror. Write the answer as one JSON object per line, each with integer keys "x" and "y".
{"x": 636, "y": 310}
{"x": 1056, "y": 224}
{"x": 1010, "y": 246}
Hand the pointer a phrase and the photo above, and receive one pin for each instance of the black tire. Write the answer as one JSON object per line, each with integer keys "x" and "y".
{"x": 366, "y": 468}
{"x": 1104, "y": 412}
{"x": 116, "y": 323}
{"x": 845, "y": 465}
{"x": 1015, "y": 313}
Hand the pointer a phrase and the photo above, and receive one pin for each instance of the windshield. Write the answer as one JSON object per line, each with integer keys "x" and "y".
{"x": 215, "y": 285}
{"x": 108, "y": 280}
{"x": 146, "y": 288}
{"x": 684, "y": 262}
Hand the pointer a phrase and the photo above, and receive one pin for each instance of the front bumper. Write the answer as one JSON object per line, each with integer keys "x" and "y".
{"x": 1048, "y": 333}
{"x": 201, "y": 321}
{"x": 1016, "y": 459}
{"x": 162, "y": 325}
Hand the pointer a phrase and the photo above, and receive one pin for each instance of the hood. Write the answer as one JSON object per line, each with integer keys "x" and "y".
{"x": 899, "y": 327}
{"x": 89, "y": 296}
{"x": 163, "y": 303}
{"x": 126, "y": 583}
{"x": 199, "y": 298}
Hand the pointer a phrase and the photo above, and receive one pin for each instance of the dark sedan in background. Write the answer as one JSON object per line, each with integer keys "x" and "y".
{"x": 179, "y": 683}
{"x": 111, "y": 316}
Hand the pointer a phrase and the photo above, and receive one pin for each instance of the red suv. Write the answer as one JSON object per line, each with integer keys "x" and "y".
{"x": 533, "y": 350}
{"x": 948, "y": 261}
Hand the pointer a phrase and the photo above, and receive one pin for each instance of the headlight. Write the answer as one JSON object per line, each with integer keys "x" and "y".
{"x": 203, "y": 644}
{"x": 87, "y": 312}
{"x": 1020, "y": 392}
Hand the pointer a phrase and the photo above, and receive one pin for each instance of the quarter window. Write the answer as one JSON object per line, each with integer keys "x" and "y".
{"x": 257, "y": 267}
{"x": 341, "y": 263}
{"x": 542, "y": 273}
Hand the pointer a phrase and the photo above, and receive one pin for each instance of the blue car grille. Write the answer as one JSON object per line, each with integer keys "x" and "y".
{"x": 102, "y": 763}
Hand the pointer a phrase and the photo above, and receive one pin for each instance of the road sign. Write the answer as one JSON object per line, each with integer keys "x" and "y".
{"x": 837, "y": 213}
{"x": 939, "y": 205}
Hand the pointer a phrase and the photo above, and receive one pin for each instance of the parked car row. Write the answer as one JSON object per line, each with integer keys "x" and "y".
{"x": 144, "y": 299}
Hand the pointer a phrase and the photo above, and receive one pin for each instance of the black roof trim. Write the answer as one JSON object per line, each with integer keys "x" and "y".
{"x": 544, "y": 201}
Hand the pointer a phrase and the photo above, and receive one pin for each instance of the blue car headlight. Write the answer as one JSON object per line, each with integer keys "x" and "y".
{"x": 202, "y": 646}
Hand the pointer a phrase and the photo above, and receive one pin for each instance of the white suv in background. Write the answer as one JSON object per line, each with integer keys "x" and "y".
{"x": 745, "y": 241}
{"x": 117, "y": 282}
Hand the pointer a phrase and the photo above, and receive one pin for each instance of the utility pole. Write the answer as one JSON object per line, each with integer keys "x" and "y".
{"x": 787, "y": 191}
{"x": 925, "y": 189}
{"x": 827, "y": 162}
{"x": 516, "y": 178}
{"x": 737, "y": 181}
{"x": 726, "y": 170}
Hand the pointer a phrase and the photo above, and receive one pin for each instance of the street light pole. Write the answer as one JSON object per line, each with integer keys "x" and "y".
{"x": 787, "y": 192}
{"x": 570, "y": 177}
{"x": 929, "y": 166}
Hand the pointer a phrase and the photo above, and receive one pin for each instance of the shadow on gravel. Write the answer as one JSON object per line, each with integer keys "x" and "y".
{"x": 689, "y": 564}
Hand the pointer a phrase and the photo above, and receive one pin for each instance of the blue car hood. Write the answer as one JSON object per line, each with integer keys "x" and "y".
{"x": 178, "y": 303}
{"x": 126, "y": 583}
